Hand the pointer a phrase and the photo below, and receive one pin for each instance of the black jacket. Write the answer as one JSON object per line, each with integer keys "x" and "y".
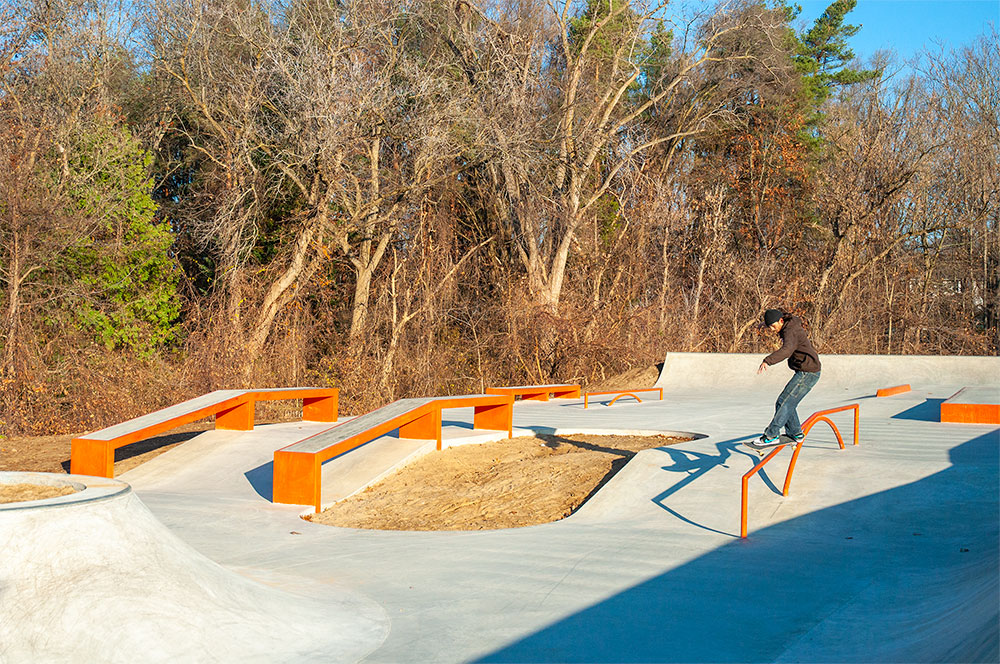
{"x": 796, "y": 347}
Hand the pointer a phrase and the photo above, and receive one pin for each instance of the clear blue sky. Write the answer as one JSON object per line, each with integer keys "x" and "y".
{"x": 910, "y": 26}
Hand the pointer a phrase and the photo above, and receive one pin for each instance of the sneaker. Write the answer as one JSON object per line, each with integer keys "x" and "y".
{"x": 797, "y": 437}
{"x": 764, "y": 441}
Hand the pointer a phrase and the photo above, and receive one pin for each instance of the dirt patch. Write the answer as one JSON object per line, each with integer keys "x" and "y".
{"x": 17, "y": 493}
{"x": 506, "y": 484}
{"x": 50, "y": 454}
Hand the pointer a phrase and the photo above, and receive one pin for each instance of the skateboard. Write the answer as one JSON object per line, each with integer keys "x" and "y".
{"x": 783, "y": 439}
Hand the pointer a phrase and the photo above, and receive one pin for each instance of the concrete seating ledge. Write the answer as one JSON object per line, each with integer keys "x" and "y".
{"x": 538, "y": 392}
{"x": 972, "y": 405}
{"x": 297, "y": 472}
{"x": 94, "y": 453}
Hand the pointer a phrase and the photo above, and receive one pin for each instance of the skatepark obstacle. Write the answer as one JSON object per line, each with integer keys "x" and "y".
{"x": 621, "y": 394}
{"x": 972, "y": 405}
{"x": 297, "y": 471}
{"x": 94, "y": 453}
{"x": 889, "y": 391}
{"x": 818, "y": 416}
{"x": 538, "y": 392}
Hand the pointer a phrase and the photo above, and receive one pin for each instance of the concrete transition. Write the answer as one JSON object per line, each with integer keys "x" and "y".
{"x": 94, "y": 576}
{"x": 883, "y": 552}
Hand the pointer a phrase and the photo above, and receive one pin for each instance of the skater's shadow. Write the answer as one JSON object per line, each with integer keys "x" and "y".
{"x": 696, "y": 464}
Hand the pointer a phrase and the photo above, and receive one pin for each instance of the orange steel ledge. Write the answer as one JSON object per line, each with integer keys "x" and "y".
{"x": 297, "y": 476}
{"x": 957, "y": 410}
{"x": 889, "y": 391}
{"x": 90, "y": 455}
{"x": 538, "y": 392}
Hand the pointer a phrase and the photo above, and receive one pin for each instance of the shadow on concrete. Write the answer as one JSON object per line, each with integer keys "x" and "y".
{"x": 695, "y": 464}
{"x": 261, "y": 479}
{"x": 928, "y": 411}
{"x": 150, "y": 445}
{"x": 887, "y": 577}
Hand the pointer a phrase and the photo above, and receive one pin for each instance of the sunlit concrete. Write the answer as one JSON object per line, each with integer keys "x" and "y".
{"x": 883, "y": 552}
{"x": 95, "y": 577}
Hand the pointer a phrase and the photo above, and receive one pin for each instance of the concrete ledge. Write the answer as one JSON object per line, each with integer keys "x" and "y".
{"x": 973, "y": 405}
{"x": 704, "y": 371}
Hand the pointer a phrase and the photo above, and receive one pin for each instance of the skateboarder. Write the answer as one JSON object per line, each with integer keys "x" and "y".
{"x": 803, "y": 360}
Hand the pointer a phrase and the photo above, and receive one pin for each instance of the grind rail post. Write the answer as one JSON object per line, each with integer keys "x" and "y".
{"x": 818, "y": 416}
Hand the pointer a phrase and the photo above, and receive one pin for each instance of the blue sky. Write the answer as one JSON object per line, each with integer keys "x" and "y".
{"x": 910, "y": 26}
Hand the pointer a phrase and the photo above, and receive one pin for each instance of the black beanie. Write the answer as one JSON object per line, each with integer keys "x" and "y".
{"x": 772, "y": 316}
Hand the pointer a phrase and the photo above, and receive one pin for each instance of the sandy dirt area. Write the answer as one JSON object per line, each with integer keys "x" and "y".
{"x": 16, "y": 493}
{"x": 506, "y": 484}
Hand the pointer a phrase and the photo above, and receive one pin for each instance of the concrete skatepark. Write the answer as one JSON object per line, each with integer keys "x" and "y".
{"x": 887, "y": 551}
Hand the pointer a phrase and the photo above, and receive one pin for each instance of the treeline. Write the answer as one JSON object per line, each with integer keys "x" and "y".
{"x": 416, "y": 197}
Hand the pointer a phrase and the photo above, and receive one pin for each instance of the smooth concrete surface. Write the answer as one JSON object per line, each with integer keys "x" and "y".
{"x": 883, "y": 552}
{"x": 685, "y": 371}
{"x": 978, "y": 395}
{"x": 94, "y": 577}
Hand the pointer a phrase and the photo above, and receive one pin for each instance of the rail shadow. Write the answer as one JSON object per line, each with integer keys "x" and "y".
{"x": 695, "y": 464}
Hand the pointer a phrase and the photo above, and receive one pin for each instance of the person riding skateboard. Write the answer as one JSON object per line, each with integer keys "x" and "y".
{"x": 803, "y": 360}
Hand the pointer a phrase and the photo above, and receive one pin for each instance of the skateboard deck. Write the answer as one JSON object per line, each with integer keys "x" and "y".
{"x": 783, "y": 439}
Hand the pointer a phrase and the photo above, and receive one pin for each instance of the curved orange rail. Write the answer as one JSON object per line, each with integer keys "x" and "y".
{"x": 621, "y": 393}
{"x": 819, "y": 416}
{"x": 626, "y": 394}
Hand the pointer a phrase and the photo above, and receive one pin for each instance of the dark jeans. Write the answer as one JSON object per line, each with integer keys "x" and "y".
{"x": 784, "y": 408}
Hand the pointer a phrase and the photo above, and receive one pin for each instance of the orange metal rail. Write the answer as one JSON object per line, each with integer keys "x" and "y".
{"x": 819, "y": 416}
{"x": 538, "y": 392}
{"x": 94, "y": 453}
{"x": 297, "y": 475}
{"x": 621, "y": 394}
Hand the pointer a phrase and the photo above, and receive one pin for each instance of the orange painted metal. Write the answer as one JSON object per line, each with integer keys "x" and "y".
{"x": 321, "y": 409}
{"x": 970, "y": 413}
{"x": 889, "y": 391}
{"x": 819, "y": 416}
{"x": 498, "y": 417}
{"x": 746, "y": 479}
{"x": 621, "y": 393}
{"x": 955, "y": 411}
{"x": 236, "y": 418}
{"x": 296, "y": 478}
{"x": 425, "y": 426}
{"x": 538, "y": 392}
{"x": 494, "y": 412}
{"x": 90, "y": 456}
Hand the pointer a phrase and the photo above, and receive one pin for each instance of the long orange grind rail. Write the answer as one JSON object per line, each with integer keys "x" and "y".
{"x": 819, "y": 416}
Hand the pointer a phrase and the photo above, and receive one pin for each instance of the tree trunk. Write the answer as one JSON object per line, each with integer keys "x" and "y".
{"x": 7, "y": 371}
{"x": 364, "y": 270}
{"x": 275, "y": 297}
